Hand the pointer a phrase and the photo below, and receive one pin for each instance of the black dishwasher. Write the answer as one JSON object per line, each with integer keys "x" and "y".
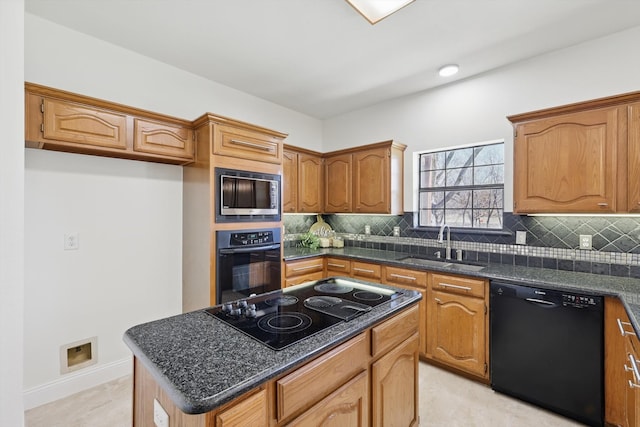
{"x": 546, "y": 348}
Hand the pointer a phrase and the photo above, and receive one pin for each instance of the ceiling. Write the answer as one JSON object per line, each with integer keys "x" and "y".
{"x": 321, "y": 58}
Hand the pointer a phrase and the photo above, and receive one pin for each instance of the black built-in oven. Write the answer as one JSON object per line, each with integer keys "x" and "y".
{"x": 247, "y": 262}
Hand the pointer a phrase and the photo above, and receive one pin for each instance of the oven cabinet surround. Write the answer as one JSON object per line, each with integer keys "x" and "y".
{"x": 579, "y": 158}
{"x": 366, "y": 179}
{"x": 622, "y": 387}
{"x": 453, "y": 311}
{"x": 369, "y": 380}
{"x": 231, "y": 144}
{"x": 64, "y": 121}
{"x": 303, "y": 180}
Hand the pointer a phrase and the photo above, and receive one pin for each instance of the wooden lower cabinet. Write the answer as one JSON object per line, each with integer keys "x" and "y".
{"x": 304, "y": 270}
{"x": 366, "y": 271}
{"x": 622, "y": 388}
{"x": 337, "y": 267}
{"x": 251, "y": 411}
{"x": 394, "y": 391}
{"x": 347, "y": 406}
{"x": 457, "y": 328}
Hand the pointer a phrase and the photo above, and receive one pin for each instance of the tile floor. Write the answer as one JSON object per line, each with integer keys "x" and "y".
{"x": 445, "y": 400}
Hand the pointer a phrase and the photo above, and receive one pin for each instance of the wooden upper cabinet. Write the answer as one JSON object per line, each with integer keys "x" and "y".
{"x": 365, "y": 179}
{"x": 290, "y": 181}
{"x": 303, "y": 180}
{"x": 338, "y": 187}
{"x": 633, "y": 157}
{"x": 579, "y": 158}
{"x": 248, "y": 144}
{"x": 162, "y": 138}
{"x": 64, "y": 121}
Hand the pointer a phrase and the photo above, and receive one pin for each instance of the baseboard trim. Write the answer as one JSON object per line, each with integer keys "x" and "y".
{"x": 76, "y": 382}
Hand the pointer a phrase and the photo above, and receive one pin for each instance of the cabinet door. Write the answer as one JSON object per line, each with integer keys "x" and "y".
{"x": 163, "y": 139}
{"x": 247, "y": 144}
{"x": 251, "y": 411}
{"x": 337, "y": 267}
{"x": 310, "y": 183}
{"x": 338, "y": 184}
{"x": 371, "y": 186}
{"x": 290, "y": 181}
{"x": 456, "y": 331}
{"x": 394, "y": 386}
{"x": 633, "y": 197}
{"x": 84, "y": 125}
{"x": 567, "y": 163}
{"x": 347, "y": 406}
{"x": 366, "y": 271}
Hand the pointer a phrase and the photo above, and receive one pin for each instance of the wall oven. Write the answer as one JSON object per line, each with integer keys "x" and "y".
{"x": 247, "y": 262}
{"x": 243, "y": 196}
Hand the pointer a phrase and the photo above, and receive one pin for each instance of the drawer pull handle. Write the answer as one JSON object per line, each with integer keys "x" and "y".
{"x": 400, "y": 276}
{"x": 437, "y": 299}
{"x": 634, "y": 367}
{"x": 307, "y": 267}
{"x": 251, "y": 144}
{"x": 447, "y": 285}
{"x": 603, "y": 205}
{"x": 330, "y": 264}
{"x": 621, "y": 325}
{"x": 363, "y": 270}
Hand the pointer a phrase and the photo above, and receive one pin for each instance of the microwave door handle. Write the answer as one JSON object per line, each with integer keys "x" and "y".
{"x": 251, "y": 249}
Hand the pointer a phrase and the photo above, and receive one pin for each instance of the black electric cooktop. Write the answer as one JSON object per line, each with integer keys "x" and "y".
{"x": 281, "y": 318}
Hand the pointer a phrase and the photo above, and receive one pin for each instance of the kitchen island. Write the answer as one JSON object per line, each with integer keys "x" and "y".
{"x": 201, "y": 371}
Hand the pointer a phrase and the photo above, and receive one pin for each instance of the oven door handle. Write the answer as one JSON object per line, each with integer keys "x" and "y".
{"x": 251, "y": 249}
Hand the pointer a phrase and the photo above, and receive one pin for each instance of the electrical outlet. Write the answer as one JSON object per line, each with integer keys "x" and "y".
{"x": 521, "y": 237}
{"x": 71, "y": 241}
{"x": 585, "y": 241}
{"x": 160, "y": 416}
{"x": 396, "y": 231}
{"x": 367, "y": 229}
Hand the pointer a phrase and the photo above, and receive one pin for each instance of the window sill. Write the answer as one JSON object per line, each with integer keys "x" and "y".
{"x": 460, "y": 230}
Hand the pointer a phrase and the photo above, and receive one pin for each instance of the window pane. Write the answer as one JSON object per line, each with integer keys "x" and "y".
{"x": 458, "y": 177}
{"x": 432, "y": 200}
{"x": 430, "y": 161}
{"x": 459, "y": 158}
{"x": 485, "y": 175}
{"x": 430, "y": 179}
{"x": 458, "y": 217}
{"x": 431, "y": 217}
{"x": 488, "y": 218}
{"x": 458, "y": 199}
{"x": 489, "y": 155}
{"x": 489, "y": 198}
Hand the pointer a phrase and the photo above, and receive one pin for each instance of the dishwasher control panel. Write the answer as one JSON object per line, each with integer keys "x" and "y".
{"x": 580, "y": 301}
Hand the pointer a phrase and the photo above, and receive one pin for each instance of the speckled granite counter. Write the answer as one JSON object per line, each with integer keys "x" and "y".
{"x": 627, "y": 289}
{"x": 202, "y": 363}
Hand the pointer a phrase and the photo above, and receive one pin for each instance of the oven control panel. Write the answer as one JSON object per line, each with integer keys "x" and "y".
{"x": 251, "y": 238}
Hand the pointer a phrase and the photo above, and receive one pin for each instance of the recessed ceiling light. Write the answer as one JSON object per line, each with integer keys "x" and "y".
{"x": 376, "y": 10}
{"x": 448, "y": 70}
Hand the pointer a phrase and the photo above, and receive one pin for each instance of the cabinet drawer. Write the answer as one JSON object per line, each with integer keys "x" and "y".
{"x": 338, "y": 266}
{"x": 320, "y": 377}
{"x": 311, "y": 277}
{"x": 458, "y": 285}
{"x": 306, "y": 266}
{"x": 395, "y": 330}
{"x": 163, "y": 139}
{"x": 402, "y": 276}
{"x": 246, "y": 144}
{"x": 366, "y": 270}
{"x": 250, "y": 411}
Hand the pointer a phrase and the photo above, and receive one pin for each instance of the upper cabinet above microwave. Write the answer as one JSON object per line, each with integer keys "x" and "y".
{"x": 578, "y": 158}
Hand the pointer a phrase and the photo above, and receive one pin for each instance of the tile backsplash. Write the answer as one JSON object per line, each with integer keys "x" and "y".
{"x": 551, "y": 241}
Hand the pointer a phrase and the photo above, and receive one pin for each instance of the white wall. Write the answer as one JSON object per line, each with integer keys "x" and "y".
{"x": 128, "y": 214}
{"x": 11, "y": 211}
{"x": 475, "y": 109}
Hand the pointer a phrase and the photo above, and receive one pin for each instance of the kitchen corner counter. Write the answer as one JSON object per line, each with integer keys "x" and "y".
{"x": 202, "y": 363}
{"x": 627, "y": 289}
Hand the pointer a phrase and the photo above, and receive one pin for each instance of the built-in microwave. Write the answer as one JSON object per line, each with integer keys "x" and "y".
{"x": 243, "y": 196}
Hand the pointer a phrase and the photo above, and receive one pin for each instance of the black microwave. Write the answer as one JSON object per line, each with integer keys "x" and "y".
{"x": 247, "y": 196}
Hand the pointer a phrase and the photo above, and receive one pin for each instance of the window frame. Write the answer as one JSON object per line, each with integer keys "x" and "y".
{"x": 471, "y": 188}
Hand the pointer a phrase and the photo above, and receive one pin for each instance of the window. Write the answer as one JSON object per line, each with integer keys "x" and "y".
{"x": 463, "y": 187}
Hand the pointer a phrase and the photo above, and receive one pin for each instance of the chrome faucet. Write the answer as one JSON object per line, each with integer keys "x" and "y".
{"x": 441, "y": 240}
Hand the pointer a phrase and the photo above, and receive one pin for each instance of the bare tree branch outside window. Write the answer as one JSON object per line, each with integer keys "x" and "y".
{"x": 463, "y": 187}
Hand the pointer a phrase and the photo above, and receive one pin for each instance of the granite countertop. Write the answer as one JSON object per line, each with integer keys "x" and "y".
{"x": 627, "y": 289}
{"x": 202, "y": 362}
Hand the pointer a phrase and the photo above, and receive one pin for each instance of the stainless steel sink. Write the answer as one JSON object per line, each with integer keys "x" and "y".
{"x": 443, "y": 264}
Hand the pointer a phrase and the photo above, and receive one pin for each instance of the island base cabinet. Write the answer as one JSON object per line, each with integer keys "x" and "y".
{"x": 251, "y": 411}
{"x": 395, "y": 386}
{"x": 347, "y": 406}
